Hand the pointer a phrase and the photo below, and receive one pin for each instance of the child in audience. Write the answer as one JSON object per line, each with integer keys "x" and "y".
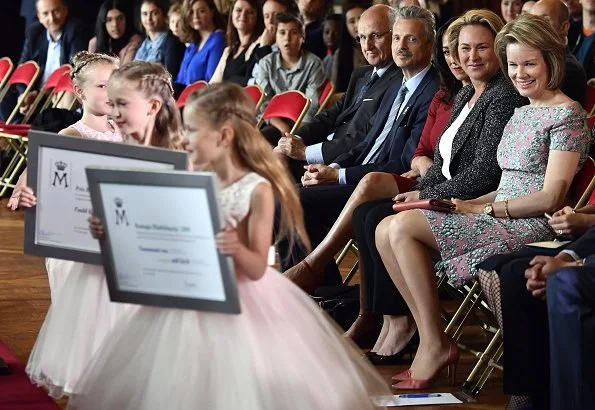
{"x": 175, "y": 23}
{"x": 330, "y": 35}
{"x": 81, "y": 315}
{"x": 280, "y": 352}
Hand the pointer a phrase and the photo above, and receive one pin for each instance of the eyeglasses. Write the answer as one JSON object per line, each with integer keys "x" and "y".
{"x": 374, "y": 37}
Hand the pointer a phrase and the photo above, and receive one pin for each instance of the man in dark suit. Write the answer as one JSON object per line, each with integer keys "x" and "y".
{"x": 387, "y": 147}
{"x": 50, "y": 42}
{"x": 349, "y": 119}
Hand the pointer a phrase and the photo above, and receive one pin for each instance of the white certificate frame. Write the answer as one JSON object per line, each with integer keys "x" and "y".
{"x": 68, "y": 147}
{"x": 99, "y": 178}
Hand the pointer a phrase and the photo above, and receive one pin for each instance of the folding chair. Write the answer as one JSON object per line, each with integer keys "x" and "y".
{"x": 256, "y": 93}
{"x": 583, "y": 184}
{"x": 63, "y": 87}
{"x": 6, "y": 67}
{"x": 24, "y": 74}
{"x": 325, "y": 95}
{"x": 47, "y": 91}
{"x": 292, "y": 105}
{"x": 189, "y": 90}
{"x": 590, "y": 99}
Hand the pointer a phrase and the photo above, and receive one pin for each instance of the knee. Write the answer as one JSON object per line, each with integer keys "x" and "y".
{"x": 371, "y": 181}
{"x": 564, "y": 290}
{"x": 393, "y": 228}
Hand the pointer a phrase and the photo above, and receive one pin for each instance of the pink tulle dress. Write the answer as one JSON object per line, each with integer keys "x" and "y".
{"x": 281, "y": 352}
{"x": 80, "y": 316}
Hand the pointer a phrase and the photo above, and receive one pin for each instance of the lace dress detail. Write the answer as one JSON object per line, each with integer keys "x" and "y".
{"x": 90, "y": 133}
{"x": 235, "y": 198}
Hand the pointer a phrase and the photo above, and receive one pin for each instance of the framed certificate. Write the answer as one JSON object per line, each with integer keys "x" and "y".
{"x": 159, "y": 244}
{"x": 57, "y": 227}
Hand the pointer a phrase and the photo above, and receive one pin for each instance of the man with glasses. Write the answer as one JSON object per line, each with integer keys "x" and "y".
{"x": 344, "y": 125}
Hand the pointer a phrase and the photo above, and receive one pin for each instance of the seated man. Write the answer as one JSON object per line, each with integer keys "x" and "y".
{"x": 390, "y": 143}
{"x": 575, "y": 84}
{"x": 335, "y": 131}
{"x": 51, "y": 42}
{"x": 584, "y": 50}
{"x": 290, "y": 68}
{"x": 313, "y": 12}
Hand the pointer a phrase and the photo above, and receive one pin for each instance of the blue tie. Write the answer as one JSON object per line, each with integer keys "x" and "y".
{"x": 390, "y": 121}
{"x": 366, "y": 87}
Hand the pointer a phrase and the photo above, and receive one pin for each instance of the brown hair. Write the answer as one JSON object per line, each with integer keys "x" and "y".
{"x": 535, "y": 32}
{"x": 154, "y": 80}
{"x": 191, "y": 35}
{"x": 229, "y": 103}
{"x": 83, "y": 60}
{"x": 478, "y": 17}
{"x": 233, "y": 38}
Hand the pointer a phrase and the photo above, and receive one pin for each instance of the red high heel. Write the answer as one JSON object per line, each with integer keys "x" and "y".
{"x": 451, "y": 364}
{"x": 404, "y": 375}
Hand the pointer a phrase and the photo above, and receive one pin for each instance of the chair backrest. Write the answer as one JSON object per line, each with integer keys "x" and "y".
{"x": 25, "y": 74}
{"x": 56, "y": 76}
{"x": 325, "y": 95}
{"x": 64, "y": 83}
{"x": 5, "y": 70}
{"x": 189, "y": 90}
{"x": 590, "y": 99}
{"x": 256, "y": 93}
{"x": 46, "y": 93}
{"x": 291, "y": 105}
{"x": 583, "y": 184}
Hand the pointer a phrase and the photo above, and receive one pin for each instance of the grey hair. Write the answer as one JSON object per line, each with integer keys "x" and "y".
{"x": 426, "y": 17}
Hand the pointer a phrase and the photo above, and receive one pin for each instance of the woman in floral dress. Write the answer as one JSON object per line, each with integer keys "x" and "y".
{"x": 543, "y": 146}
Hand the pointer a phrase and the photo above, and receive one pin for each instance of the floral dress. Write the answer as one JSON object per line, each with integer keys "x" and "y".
{"x": 464, "y": 240}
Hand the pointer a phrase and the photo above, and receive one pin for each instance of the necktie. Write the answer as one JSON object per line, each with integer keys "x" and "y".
{"x": 366, "y": 87}
{"x": 390, "y": 121}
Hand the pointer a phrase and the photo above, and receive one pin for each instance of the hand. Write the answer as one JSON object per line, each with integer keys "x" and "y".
{"x": 467, "y": 207}
{"x": 27, "y": 101}
{"x": 268, "y": 36}
{"x": 291, "y": 146}
{"x": 96, "y": 227}
{"x": 421, "y": 165}
{"x": 540, "y": 268}
{"x": 319, "y": 174}
{"x": 407, "y": 197}
{"x": 570, "y": 223}
{"x": 414, "y": 173}
{"x": 27, "y": 198}
{"x": 227, "y": 241}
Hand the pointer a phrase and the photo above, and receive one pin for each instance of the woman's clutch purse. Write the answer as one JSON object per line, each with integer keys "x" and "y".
{"x": 441, "y": 205}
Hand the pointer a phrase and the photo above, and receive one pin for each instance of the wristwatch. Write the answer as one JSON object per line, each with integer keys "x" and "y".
{"x": 488, "y": 209}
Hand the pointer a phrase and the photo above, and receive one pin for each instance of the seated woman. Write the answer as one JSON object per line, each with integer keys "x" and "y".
{"x": 159, "y": 45}
{"x": 175, "y": 21}
{"x": 542, "y": 148}
{"x": 290, "y": 68}
{"x": 205, "y": 26}
{"x": 244, "y": 27}
{"x": 114, "y": 32}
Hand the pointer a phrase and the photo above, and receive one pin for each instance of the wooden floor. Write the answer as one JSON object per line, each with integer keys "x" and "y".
{"x": 24, "y": 300}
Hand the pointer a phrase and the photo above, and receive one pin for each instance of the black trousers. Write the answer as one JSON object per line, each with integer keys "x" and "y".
{"x": 571, "y": 309}
{"x": 382, "y": 296}
{"x": 322, "y": 206}
{"x": 525, "y": 332}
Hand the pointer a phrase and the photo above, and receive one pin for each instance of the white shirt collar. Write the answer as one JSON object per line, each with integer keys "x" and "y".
{"x": 381, "y": 71}
{"x": 50, "y": 40}
{"x": 414, "y": 81}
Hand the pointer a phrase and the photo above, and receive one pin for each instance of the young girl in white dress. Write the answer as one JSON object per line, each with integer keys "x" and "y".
{"x": 281, "y": 351}
{"x": 81, "y": 314}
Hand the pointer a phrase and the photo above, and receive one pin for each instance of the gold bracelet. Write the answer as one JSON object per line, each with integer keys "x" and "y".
{"x": 506, "y": 209}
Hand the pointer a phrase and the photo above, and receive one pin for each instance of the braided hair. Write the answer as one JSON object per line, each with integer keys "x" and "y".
{"x": 83, "y": 60}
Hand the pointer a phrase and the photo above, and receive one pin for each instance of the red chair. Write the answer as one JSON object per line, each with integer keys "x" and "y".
{"x": 24, "y": 74}
{"x": 583, "y": 184}
{"x": 325, "y": 95}
{"x": 6, "y": 67}
{"x": 590, "y": 99}
{"x": 256, "y": 93}
{"x": 47, "y": 91}
{"x": 189, "y": 90}
{"x": 292, "y": 105}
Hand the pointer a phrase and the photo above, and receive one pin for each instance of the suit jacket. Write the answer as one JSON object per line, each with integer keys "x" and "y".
{"x": 575, "y": 83}
{"x": 474, "y": 167}
{"x": 396, "y": 152}
{"x": 584, "y": 246}
{"x": 36, "y": 43}
{"x": 348, "y": 120}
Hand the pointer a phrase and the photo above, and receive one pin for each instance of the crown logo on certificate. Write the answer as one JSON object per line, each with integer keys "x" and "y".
{"x": 119, "y": 202}
{"x": 61, "y": 166}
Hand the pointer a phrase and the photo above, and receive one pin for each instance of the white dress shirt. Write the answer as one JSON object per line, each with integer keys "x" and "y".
{"x": 52, "y": 61}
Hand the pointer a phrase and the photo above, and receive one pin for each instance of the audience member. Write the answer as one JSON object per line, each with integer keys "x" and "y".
{"x": 584, "y": 50}
{"x": 349, "y": 55}
{"x": 313, "y": 12}
{"x": 175, "y": 21}
{"x": 114, "y": 32}
{"x": 159, "y": 45}
{"x": 244, "y": 27}
{"x": 341, "y": 127}
{"x": 528, "y": 6}
{"x": 290, "y": 68}
{"x": 50, "y": 42}
{"x": 205, "y": 26}
{"x": 331, "y": 35}
{"x": 510, "y": 9}
{"x": 575, "y": 80}
{"x": 576, "y": 21}
{"x": 388, "y": 146}
{"x": 270, "y": 8}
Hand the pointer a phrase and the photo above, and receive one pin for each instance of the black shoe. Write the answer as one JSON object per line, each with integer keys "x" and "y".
{"x": 397, "y": 358}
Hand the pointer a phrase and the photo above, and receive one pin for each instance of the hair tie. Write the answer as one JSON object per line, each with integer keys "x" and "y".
{"x": 159, "y": 78}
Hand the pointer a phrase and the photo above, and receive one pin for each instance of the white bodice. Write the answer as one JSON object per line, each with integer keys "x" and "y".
{"x": 235, "y": 198}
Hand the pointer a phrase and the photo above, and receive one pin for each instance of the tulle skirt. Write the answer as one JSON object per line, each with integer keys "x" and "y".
{"x": 281, "y": 352}
{"x": 79, "y": 318}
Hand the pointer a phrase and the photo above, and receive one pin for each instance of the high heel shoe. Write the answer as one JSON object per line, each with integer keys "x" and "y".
{"x": 404, "y": 375}
{"x": 451, "y": 364}
{"x": 397, "y": 358}
{"x": 304, "y": 277}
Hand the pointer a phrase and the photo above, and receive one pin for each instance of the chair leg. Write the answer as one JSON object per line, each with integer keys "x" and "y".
{"x": 488, "y": 354}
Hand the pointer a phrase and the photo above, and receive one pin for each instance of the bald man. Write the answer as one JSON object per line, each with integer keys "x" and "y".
{"x": 575, "y": 84}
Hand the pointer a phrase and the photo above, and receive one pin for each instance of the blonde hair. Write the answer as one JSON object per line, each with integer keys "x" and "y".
{"x": 83, "y": 60}
{"x": 535, "y": 32}
{"x": 229, "y": 103}
{"x": 153, "y": 79}
{"x": 478, "y": 17}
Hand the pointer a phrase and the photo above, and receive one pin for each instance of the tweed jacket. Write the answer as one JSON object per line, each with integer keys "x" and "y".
{"x": 474, "y": 167}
